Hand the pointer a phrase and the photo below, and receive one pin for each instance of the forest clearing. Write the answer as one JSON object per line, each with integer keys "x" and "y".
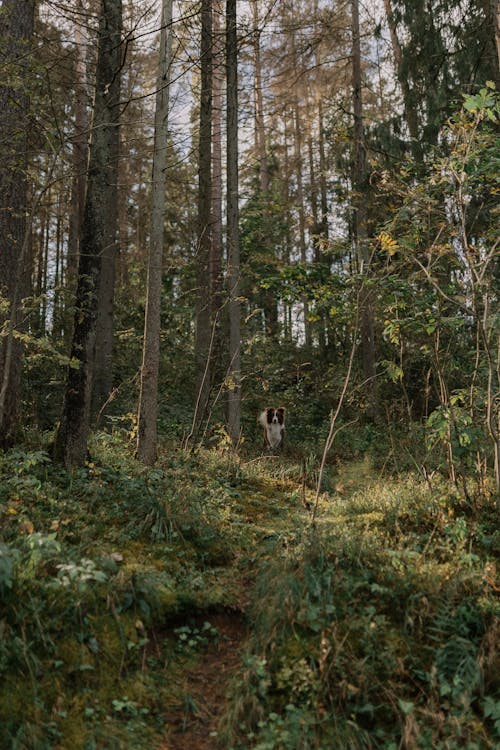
{"x": 249, "y": 375}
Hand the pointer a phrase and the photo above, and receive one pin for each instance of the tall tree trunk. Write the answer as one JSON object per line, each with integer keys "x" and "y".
{"x": 80, "y": 152}
{"x": 215, "y": 265}
{"x": 71, "y": 438}
{"x": 317, "y": 227}
{"x": 322, "y": 173}
{"x": 148, "y": 399}
{"x": 301, "y": 210}
{"x": 234, "y": 369}
{"x": 16, "y": 31}
{"x": 496, "y": 19}
{"x": 260, "y": 126}
{"x": 268, "y": 297}
{"x": 102, "y": 378}
{"x": 204, "y": 338}
{"x": 410, "y": 106}
{"x": 360, "y": 186}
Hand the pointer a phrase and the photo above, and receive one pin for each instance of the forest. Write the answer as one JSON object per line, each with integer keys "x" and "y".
{"x": 212, "y": 211}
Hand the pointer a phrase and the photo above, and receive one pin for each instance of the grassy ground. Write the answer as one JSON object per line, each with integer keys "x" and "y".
{"x": 128, "y": 595}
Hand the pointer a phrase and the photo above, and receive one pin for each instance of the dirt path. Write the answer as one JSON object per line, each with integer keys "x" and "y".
{"x": 202, "y": 689}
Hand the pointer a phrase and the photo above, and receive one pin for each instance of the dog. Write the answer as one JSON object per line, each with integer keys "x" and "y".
{"x": 273, "y": 422}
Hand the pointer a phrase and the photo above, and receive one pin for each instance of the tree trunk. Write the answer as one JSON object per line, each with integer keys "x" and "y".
{"x": 260, "y": 127}
{"x": 409, "y": 104}
{"x": 360, "y": 186}
{"x": 16, "y": 31}
{"x": 496, "y": 18}
{"x": 301, "y": 210}
{"x": 102, "y": 379}
{"x": 71, "y": 438}
{"x": 148, "y": 399}
{"x": 234, "y": 369}
{"x": 215, "y": 265}
{"x": 80, "y": 153}
{"x": 203, "y": 348}
{"x": 267, "y": 296}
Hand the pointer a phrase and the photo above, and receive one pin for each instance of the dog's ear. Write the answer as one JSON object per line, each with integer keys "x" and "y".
{"x": 281, "y": 414}
{"x": 281, "y": 410}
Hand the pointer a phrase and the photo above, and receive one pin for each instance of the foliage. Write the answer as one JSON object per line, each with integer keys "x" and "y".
{"x": 373, "y": 630}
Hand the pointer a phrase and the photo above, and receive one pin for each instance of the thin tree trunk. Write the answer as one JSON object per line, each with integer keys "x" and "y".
{"x": 496, "y": 17}
{"x": 16, "y": 31}
{"x": 71, "y": 439}
{"x": 203, "y": 353}
{"x": 322, "y": 173}
{"x": 80, "y": 153}
{"x": 147, "y": 438}
{"x": 268, "y": 297}
{"x": 215, "y": 265}
{"x": 360, "y": 186}
{"x": 234, "y": 370}
{"x": 409, "y": 104}
{"x": 260, "y": 127}
{"x": 302, "y": 220}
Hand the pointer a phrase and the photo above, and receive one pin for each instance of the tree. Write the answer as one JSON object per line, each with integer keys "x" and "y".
{"x": 148, "y": 397}
{"x": 71, "y": 438}
{"x": 16, "y": 31}
{"x": 360, "y": 187}
{"x": 204, "y": 325}
{"x": 233, "y": 273}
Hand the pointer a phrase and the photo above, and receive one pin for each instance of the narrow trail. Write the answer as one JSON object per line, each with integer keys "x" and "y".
{"x": 193, "y": 722}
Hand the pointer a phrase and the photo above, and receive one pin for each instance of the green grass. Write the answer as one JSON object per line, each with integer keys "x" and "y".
{"x": 378, "y": 628}
{"x": 375, "y": 627}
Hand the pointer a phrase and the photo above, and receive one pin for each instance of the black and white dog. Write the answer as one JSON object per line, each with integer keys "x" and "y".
{"x": 273, "y": 422}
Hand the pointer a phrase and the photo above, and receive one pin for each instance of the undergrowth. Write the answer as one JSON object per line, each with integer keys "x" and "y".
{"x": 376, "y": 627}
{"x": 379, "y": 628}
{"x": 92, "y": 565}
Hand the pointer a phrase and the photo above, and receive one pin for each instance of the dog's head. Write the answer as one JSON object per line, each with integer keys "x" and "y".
{"x": 275, "y": 416}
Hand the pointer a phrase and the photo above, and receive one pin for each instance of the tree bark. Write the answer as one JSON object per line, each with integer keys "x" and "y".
{"x": 234, "y": 369}
{"x": 102, "y": 378}
{"x": 360, "y": 186}
{"x": 215, "y": 265}
{"x": 203, "y": 352}
{"x": 71, "y": 439}
{"x": 147, "y": 437}
{"x": 16, "y": 31}
{"x": 80, "y": 154}
{"x": 409, "y": 104}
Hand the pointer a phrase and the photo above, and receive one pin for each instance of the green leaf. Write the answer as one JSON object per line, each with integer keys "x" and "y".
{"x": 406, "y": 706}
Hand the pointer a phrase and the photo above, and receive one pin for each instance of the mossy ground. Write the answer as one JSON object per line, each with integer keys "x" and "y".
{"x": 130, "y": 594}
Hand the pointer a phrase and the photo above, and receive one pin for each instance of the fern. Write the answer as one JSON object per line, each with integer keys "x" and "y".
{"x": 457, "y": 668}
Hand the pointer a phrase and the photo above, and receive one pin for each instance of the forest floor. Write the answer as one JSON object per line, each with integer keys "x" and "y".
{"x": 195, "y": 606}
{"x": 194, "y": 719}
{"x": 193, "y": 722}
